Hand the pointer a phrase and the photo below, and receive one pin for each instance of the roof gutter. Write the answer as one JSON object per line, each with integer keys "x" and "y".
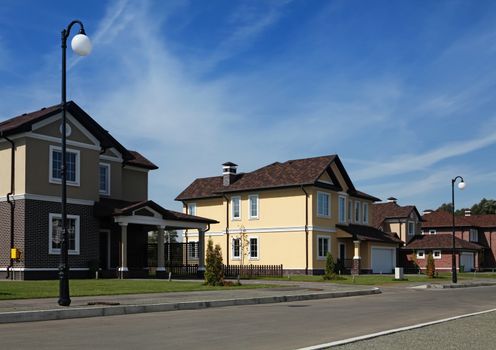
{"x": 227, "y": 229}
{"x": 306, "y": 229}
{"x": 10, "y": 200}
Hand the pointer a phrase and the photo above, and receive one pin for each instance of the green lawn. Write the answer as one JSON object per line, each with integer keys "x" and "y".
{"x": 48, "y": 289}
{"x": 380, "y": 280}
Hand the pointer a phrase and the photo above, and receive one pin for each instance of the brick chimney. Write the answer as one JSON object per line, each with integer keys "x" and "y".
{"x": 228, "y": 173}
{"x": 392, "y": 200}
{"x": 468, "y": 212}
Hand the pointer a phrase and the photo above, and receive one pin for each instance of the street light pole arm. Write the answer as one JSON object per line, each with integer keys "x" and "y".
{"x": 456, "y": 178}
{"x": 67, "y": 31}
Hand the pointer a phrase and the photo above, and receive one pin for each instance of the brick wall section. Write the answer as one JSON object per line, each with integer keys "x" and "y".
{"x": 5, "y": 232}
{"x": 36, "y": 236}
{"x": 488, "y": 239}
{"x": 443, "y": 264}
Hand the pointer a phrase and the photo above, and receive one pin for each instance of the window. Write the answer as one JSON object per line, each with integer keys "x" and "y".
{"x": 72, "y": 159}
{"x": 55, "y": 233}
{"x": 192, "y": 208}
{"x": 323, "y": 247}
{"x": 323, "y": 204}
{"x": 432, "y": 232}
{"x": 236, "y": 248}
{"x": 357, "y": 212}
{"x": 411, "y": 228}
{"x": 365, "y": 212}
{"x": 342, "y": 209}
{"x": 193, "y": 250}
{"x": 104, "y": 178}
{"x": 253, "y": 201}
{"x": 253, "y": 248}
{"x": 350, "y": 211}
{"x": 436, "y": 254}
{"x": 236, "y": 208}
{"x": 474, "y": 235}
{"x": 420, "y": 254}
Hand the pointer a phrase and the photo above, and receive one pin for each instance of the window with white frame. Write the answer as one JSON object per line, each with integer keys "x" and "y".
{"x": 436, "y": 254}
{"x": 365, "y": 213}
{"x": 342, "y": 209}
{"x": 253, "y": 203}
{"x": 411, "y": 228}
{"x": 236, "y": 248}
{"x": 193, "y": 250}
{"x": 323, "y": 247}
{"x": 72, "y": 170}
{"x": 420, "y": 254}
{"x": 357, "y": 212}
{"x": 474, "y": 235}
{"x": 350, "y": 210}
{"x": 432, "y": 232}
{"x": 104, "y": 178}
{"x": 236, "y": 208}
{"x": 55, "y": 233}
{"x": 323, "y": 204}
{"x": 192, "y": 208}
{"x": 254, "y": 248}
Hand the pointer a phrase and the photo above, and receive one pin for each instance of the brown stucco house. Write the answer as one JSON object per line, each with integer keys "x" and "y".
{"x": 109, "y": 212}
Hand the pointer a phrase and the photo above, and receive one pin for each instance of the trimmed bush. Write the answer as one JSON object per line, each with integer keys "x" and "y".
{"x": 330, "y": 268}
{"x": 431, "y": 266}
{"x": 214, "y": 274}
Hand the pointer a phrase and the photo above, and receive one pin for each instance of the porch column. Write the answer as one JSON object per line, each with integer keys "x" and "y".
{"x": 123, "y": 250}
{"x": 160, "y": 250}
{"x": 201, "y": 253}
{"x": 355, "y": 270}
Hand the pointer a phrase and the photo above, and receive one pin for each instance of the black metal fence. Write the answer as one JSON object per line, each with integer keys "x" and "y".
{"x": 247, "y": 271}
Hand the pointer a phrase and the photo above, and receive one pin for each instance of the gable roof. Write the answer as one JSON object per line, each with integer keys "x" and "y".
{"x": 297, "y": 172}
{"x": 391, "y": 210}
{"x": 368, "y": 233}
{"x": 25, "y": 122}
{"x": 441, "y": 241}
{"x": 442, "y": 218}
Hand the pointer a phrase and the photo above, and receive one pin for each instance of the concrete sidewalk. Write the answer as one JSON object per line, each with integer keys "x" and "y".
{"x": 47, "y": 309}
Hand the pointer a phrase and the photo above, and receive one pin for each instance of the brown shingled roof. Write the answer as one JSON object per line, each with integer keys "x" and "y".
{"x": 368, "y": 233}
{"x": 390, "y": 210}
{"x": 442, "y": 218}
{"x": 298, "y": 172}
{"x": 140, "y": 161}
{"x": 487, "y": 220}
{"x": 441, "y": 241}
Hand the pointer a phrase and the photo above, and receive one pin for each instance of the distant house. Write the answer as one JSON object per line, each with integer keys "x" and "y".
{"x": 109, "y": 213}
{"x": 292, "y": 213}
{"x": 405, "y": 221}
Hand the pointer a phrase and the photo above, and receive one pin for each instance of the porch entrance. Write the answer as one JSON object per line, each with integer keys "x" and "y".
{"x": 104, "y": 253}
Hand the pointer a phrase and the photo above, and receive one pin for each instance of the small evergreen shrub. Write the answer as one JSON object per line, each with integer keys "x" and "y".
{"x": 431, "y": 266}
{"x": 330, "y": 268}
{"x": 214, "y": 274}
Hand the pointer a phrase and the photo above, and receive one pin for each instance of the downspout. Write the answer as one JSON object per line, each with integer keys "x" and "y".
{"x": 306, "y": 229}
{"x": 227, "y": 229}
{"x": 185, "y": 234}
{"x": 11, "y": 201}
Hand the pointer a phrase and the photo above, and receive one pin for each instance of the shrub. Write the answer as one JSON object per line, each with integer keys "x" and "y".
{"x": 214, "y": 274}
{"x": 330, "y": 268}
{"x": 431, "y": 266}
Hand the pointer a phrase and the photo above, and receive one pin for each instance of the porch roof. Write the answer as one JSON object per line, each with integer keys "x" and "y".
{"x": 148, "y": 213}
{"x": 368, "y": 233}
{"x": 441, "y": 241}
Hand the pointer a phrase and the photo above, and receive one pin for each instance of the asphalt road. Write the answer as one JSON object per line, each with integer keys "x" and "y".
{"x": 271, "y": 326}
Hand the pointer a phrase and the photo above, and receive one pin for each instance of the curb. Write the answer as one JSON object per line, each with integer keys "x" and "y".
{"x": 83, "y": 312}
{"x": 461, "y": 285}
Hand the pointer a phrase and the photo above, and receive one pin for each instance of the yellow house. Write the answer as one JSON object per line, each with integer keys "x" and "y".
{"x": 291, "y": 213}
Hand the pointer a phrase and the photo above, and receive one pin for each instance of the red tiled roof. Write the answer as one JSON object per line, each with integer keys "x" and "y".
{"x": 298, "y": 172}
{"x": 442, "y": 218}
{"x": 441, "y": 241}
{"x": 368, "y": 233}
{"x": 140, "y": 161}
{"x": 390, "y": 210}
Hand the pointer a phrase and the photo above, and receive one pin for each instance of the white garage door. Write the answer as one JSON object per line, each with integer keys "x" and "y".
{"x": 467, "y": 260}
{"x": 383, "y": 260}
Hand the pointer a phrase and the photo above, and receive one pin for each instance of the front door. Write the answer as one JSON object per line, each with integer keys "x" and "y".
{"x": 104, "y": 256}
{"x": 342, "y": 251}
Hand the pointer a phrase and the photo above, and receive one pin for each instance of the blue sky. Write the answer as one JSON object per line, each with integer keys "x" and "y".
{"x": 403, "y": 91}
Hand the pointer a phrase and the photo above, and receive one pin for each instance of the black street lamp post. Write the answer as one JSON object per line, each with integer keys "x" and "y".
{"x": 461, "y": 186}
{"x": 82, "y": 46}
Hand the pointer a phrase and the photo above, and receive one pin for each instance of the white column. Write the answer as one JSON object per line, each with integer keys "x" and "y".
{"x": 201, "y": 251}
{"x": 355, "y": 270}
{"x": 160, "y": 249}
{"x": 123, "y": 249}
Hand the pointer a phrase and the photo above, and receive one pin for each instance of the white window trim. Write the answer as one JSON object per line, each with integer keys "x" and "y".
{"x": 408, "y": 228}
{"x": 191, "y": 205}
{"x": 250, "y": 197}
{"x": 365, "y": 218}
{"x": 249, "y": 248}
{"x": 432, "y": 232}
{"x": 434, "y": 254}
{"x": 357, "y": 206}
{"x": 234, "y": 257}
{"x": 106, "y": 165}
{"x": 420, "y": 254}
{"x": 78, "y": 166}
{"x": 319, "y": 257}
{"x": 232, "y": 208}
{"x": 193, "y": 244}
{"x": 475, "y": 233}
{"x": 329, "y": 204}
{"x": 52, "y": 250}
{"x": 344, "y": 209}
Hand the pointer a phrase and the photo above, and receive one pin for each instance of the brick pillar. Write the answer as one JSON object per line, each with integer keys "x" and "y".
{"x": 355, "y": 270}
